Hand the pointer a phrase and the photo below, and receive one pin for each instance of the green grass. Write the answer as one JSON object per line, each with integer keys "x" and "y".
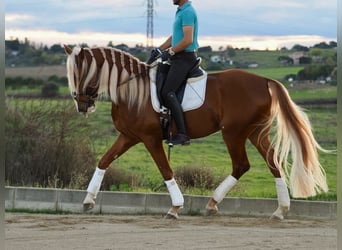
{"x": 263, "y": 58}
{"x": 307, "y": 93}
{"x": 277, "y": 73}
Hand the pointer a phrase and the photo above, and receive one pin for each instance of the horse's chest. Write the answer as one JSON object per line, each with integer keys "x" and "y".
{"x": 123, "y": 121}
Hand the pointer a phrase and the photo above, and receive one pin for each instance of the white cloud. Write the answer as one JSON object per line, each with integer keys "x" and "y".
{"x": 50, "y": 37}
{"x": 16, "y": 17}
{"x": 262, "y": 42}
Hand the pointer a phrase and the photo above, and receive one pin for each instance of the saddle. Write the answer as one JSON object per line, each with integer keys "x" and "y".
{"x": 162, "y": 71}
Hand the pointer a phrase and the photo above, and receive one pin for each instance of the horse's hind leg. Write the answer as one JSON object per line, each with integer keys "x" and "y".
{"x": 240, "y": 165}
{"x": 263, "y": 144}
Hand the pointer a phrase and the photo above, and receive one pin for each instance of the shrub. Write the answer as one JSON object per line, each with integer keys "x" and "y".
{"x": 46, "y": 145}
{"x": 50, "y": 90}
{"x": 116, "y": 179}
{"x": 195, "y": 177}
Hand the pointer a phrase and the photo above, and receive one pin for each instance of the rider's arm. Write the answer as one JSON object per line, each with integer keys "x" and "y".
{"x": 166, "y": 44}
{"x": 186, "y": 41}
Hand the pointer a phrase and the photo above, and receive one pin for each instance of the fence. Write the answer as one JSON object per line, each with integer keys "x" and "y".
{"x": 62, "y": 200}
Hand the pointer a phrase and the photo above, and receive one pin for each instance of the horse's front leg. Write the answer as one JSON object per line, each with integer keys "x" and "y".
{"x": 121, "y": 145}
{"x": 155, "y": 147}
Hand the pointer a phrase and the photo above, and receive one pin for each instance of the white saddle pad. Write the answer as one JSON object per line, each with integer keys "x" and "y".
{"x": 193, "y": 96}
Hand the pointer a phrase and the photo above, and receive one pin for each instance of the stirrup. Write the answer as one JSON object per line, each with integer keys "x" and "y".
{"x": 180, "y": 139}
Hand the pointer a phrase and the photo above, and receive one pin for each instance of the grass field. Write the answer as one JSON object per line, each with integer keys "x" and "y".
{"x": 277, "y": 73}
{"x": 36, "y": 72}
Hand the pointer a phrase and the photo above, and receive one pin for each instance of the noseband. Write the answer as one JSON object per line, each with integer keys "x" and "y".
{"x": 84, "y": 101}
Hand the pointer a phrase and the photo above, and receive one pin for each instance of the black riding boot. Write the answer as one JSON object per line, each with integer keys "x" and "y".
{"x": 177, "y": 114}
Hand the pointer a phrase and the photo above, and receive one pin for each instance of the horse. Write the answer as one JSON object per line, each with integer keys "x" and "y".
{"x": 241, "y": 105}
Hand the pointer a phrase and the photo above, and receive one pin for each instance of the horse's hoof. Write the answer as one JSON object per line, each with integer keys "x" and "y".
{"x": 171, "y": 215}
{"x": 88, "y": 206}
{"x": 279, "y": 213}
{"x": 277, "y": 217}
{"x": 211, "y": 210}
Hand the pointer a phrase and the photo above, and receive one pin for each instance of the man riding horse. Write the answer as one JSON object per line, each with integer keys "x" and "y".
{"x": 180, "y": 48}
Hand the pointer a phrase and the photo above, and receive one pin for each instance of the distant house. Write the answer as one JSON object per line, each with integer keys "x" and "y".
{"x": 216, "y": 59}
{"x": 221, "y": 59}
{"x": 300, "y": 57}
{"x": 253, "y": 65}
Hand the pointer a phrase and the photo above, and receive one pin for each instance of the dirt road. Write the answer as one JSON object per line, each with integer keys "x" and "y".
{"x": 107, "y": 232}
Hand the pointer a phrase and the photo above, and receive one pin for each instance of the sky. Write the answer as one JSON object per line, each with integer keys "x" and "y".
{"x": 254, "y": 24}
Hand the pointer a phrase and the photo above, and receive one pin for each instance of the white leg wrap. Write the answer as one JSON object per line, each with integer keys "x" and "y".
{"x": 95, "y": 183}
{"x": 224, "y": 188}
{"x": 176, "y": 195}
{"x": 283, "y": 199}
{"x": 282, "y": 193}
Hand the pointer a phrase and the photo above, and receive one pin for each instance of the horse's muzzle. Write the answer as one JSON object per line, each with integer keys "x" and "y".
{"x": 85, "y": 104}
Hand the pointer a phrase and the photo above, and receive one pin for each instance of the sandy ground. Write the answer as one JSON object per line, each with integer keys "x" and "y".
{"x": 106, "y": 232}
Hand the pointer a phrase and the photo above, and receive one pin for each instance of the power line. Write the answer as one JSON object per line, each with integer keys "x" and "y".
{"x": 149, "y": 28}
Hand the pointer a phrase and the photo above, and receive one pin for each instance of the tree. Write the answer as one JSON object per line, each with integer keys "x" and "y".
{"x": 12, "y": 44}
{"x": 110, "y": 44}
{"x": 313, "y": 72}
{"x": 322, "y": 45}
{"x": 57, "y": 48}
{"x": 230, "y": 51}
{"x": 206, "y": 49}
{"x": 333, "y": 44}
{"x": 298, "y": 47}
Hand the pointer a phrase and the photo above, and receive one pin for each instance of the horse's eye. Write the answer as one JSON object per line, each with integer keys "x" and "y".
{"x": 74, "y": 94}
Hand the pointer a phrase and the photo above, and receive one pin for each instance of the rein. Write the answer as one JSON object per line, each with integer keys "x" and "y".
{"x": 131, "y": 78}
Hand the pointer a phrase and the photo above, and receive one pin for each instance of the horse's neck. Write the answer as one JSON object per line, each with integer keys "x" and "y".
{"x": 125, "y": 66}
{"x": 122, "y": 75}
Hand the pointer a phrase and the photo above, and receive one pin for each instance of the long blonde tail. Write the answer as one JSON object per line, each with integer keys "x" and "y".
{"x": 306, "y": 177}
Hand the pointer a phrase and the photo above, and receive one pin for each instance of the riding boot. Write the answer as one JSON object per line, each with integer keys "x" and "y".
{"x": 178, "y": 115}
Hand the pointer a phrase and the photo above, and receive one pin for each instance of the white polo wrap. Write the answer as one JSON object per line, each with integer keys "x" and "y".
{"x": 95, "y": 183}
{"x": 175, "y": 193}
{"x": 282, "y": 193}
{"x": 224, "y": 188}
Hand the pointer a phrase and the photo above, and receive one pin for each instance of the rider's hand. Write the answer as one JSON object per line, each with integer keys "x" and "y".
{"x": 165, "y": 55}
{"x": 155, "y": 53}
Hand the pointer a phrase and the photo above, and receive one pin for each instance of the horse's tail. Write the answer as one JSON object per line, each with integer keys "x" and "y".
{"x": 306, "y": 177}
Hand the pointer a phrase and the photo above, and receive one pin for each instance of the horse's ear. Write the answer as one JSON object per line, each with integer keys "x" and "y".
{"x": 67, "y": 50}
{"x": 81, "y": 54}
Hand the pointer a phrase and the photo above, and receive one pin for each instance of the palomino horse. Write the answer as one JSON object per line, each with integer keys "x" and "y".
{"x": 240, "y": 104}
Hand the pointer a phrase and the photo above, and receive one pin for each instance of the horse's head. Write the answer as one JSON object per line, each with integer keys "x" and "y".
{"x": 82, "y": 79}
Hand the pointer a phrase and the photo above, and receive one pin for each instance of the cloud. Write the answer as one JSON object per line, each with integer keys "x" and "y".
{"x": 220, "y": 18}
{"x": 50, "y": 37}
{"x": 262, "y": 42}
{"x": 16, "y": 18}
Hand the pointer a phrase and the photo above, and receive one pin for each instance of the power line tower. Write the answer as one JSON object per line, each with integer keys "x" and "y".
{"x": 149, "y": 28}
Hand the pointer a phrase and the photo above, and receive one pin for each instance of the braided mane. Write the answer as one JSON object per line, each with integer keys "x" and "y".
{"x": 108, "y": 70}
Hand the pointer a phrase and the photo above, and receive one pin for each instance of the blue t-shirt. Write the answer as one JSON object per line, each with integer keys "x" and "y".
{"x": 185, "y": 16}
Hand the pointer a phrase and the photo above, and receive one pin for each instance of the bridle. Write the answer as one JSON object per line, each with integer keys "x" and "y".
{"x": 85, "y": 101}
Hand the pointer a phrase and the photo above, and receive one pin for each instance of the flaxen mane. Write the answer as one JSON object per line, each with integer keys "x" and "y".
{"x": 109, "y": 70}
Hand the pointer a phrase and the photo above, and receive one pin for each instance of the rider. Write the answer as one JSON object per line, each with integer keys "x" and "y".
{"x": 180, "y": 48}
